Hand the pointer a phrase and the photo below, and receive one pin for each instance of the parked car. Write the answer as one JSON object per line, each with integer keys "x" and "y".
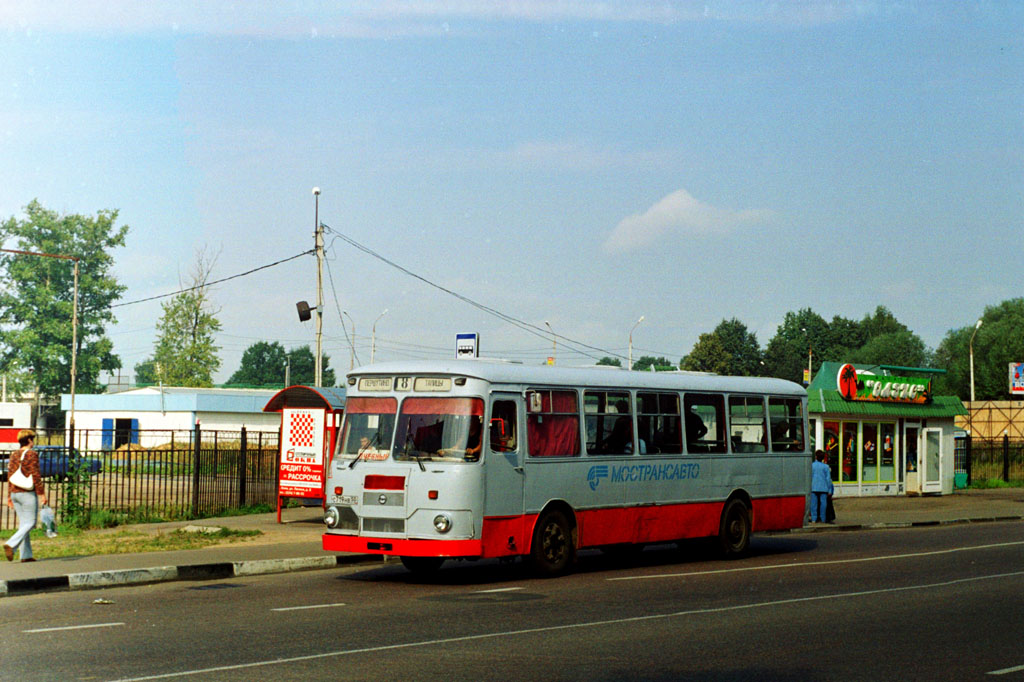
{"x": 53, "y": 462}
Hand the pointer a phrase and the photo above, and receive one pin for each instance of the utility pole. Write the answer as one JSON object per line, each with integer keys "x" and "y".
{"x": 319, "y": 236}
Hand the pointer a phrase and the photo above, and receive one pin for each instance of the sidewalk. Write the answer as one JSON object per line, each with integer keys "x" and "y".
{"x": 295, "y": 544}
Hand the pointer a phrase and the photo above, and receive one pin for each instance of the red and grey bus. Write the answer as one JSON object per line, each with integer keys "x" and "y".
{"x": 472, "y": 459}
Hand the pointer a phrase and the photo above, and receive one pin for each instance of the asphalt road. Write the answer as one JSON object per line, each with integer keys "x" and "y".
{"x": 929, "y": 604}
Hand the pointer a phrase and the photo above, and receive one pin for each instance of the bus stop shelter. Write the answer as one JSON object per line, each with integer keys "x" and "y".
{"x": 310, "y": 420}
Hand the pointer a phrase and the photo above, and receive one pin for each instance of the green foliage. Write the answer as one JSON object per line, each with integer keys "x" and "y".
{"x": 997, "y": 343}
{"x": 145, "y": 372}
{"x": 904, "y": 348}
{"x": 303, "y": 367}
{"x": 36, "y": 304}
{"x": 730, "y": 349}
{"x": 186, "y": 352}
{"x": 610, "y": 362}
{"x": 77, "y": 488}
{"x": 659, "y": 364}
{"x": 263, "y": 364}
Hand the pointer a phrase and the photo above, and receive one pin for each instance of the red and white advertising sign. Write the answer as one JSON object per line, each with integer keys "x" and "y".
{"x": 302, "y": 453}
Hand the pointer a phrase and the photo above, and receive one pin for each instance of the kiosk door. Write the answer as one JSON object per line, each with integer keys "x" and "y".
{"x": 931, "y": 461}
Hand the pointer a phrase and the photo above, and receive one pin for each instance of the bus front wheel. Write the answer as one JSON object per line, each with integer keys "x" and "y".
{"x": 734, "y": 529}
{"x": 422, "y": 565}
{"x": 553, "y": 549}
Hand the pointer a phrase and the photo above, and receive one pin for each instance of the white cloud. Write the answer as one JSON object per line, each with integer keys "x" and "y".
{"x": 678, "y": 214}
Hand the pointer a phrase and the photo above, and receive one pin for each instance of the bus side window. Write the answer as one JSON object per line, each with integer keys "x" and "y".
{"x": 704, "y": 422}
{"x": 503, "y": 426}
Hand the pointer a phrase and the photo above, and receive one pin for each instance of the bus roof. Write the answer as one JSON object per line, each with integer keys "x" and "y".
{"x": 546, "y": 375}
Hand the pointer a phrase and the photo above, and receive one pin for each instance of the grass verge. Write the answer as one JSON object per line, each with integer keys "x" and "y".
{"x": 74, "y": 542}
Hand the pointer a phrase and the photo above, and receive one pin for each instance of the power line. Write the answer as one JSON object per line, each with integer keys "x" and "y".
{"x": 521, "y": 324}
{"x": 219, "y": 281}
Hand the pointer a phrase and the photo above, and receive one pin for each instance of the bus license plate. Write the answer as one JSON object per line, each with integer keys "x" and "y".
{"x": 345, "y": 499}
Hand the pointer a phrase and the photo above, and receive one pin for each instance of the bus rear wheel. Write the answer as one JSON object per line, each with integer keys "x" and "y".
{"x": 422, "y": 565}
{"x": 734, "y": 529}
{"x": 553, "y": 550}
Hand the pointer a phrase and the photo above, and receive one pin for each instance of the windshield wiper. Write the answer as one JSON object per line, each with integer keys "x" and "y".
{"x": 411, "y": 452}
{"x": 359, "y": 455}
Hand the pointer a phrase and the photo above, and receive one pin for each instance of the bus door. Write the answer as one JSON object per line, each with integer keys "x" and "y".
{"x": 503, "y": 466}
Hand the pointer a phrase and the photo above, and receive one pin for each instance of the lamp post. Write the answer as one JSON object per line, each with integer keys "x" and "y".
{"x": 373, "y": 335}
{"x": 971, "y": 350}
{"x": 810, "y": 355}
{"x": 631, "y": 340}
{"x": 554, "y": 341}
{"x": 319, "y": 242}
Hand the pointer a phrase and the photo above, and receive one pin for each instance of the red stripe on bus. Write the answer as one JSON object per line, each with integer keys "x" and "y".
{"x": 511, "y": 535}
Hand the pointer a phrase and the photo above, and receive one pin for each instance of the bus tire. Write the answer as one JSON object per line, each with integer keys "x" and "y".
{"x": 734, "y": 529}
{"x": 553, "y": 549}
{"x": 422, "y": 565}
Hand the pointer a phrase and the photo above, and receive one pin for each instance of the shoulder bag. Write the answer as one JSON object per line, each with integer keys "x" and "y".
{"x": 20, "y": 480}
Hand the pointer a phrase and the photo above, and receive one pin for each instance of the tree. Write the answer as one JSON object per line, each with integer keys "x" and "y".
{"x": 903, "y": 348}
{"x": 186, "y": 353}
{"x": 708, "y": 355}
{"x": 730, "y": 349}
{"x": 145, "y": 372}
{"x": 303, "y": 367}
{"x": 610, "y": 362}
{"x": 881, "y": 322}
{"x": 36, "y": 304}
{"x": 786, "y": 354}
{"x": 263, "y": 364}
{"x": 659, "y": 364}
{"x": 997, "y": 343}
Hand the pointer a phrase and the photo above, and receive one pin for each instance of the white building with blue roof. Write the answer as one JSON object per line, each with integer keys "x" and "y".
{"x": 137, "y": 416}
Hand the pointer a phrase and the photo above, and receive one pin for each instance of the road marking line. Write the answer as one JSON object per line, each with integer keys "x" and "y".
{"x": 499, "y": 589}
{"x": 1004, "y": 671}
{"x": 833, "y": 562}
{"x": 312, "y": 606}
{"x": 73, "y": 627}
{"x": 569, "y": 626}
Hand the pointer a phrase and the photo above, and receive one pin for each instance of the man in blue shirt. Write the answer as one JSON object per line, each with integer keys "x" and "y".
{"x": 821, "y": 487}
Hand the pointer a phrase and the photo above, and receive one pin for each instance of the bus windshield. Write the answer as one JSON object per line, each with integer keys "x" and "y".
{"x": 440, "y": 429}
{"x": 369, "y": 425}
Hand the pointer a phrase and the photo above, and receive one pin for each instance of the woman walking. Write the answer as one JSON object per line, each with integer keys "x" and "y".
{"x": 25, "y": 499}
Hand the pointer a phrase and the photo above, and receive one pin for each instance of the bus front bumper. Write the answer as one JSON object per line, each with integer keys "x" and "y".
{"x": 357, "y": 544}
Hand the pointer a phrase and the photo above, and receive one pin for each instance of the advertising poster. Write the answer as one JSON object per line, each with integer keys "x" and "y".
{"x": 302, "y": 453}
{"x": 1017, "y": 378}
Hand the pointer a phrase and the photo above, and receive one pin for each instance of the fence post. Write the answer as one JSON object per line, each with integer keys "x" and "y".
{"x": 195, "y": 469}
{"x": 242, "y": 469}
{"x": 1006, "y": 457}
{"x": 967, "y": 457}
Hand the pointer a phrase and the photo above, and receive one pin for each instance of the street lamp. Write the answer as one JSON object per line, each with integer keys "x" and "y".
{"x": 554, "y": 341}
{"x": 971, "y": 348}
{"x": 373, "y": 335}
{"x": 631, "y": 341}
{"x": 810, "y": 355}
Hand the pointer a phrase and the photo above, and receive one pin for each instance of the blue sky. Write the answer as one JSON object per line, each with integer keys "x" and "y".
{"x": 575, "y": 163}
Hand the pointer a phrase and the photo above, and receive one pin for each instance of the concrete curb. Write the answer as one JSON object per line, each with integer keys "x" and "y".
{"x": 211, "y": 571}
{"x": 831, "y": 528}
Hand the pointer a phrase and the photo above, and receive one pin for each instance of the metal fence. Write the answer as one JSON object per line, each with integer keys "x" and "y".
{"x": 994, "y": 458}
{"x": 161, "y": 474}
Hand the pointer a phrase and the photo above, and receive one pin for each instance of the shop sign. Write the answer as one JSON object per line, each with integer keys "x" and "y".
{"x": 1017, "y": 378}
{"x": 854, "y": 385}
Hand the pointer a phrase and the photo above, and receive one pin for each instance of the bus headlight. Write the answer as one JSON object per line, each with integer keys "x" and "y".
{"x": 442, "y": 523}
{"x": 331, "y": 517}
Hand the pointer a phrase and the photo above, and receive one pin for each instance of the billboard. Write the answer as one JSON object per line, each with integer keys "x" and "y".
{"x": 1017, "y": 378}
{"x": 302, "y": 453}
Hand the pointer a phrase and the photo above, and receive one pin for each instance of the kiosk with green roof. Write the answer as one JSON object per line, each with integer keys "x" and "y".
{"x": 882, "y": 429}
